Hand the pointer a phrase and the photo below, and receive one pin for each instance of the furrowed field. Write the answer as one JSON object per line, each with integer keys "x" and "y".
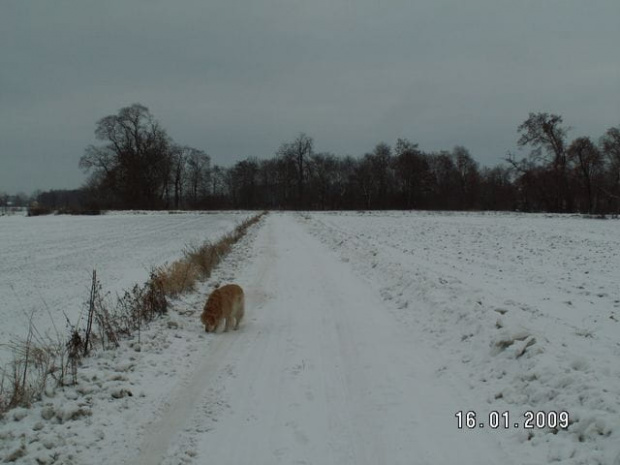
{"x": 46, "y": 262}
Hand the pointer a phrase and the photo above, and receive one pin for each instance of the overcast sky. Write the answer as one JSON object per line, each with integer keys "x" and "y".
{"x": 237, "y": 78}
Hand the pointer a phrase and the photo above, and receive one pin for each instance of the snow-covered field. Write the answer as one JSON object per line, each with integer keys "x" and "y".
{"x": 364, "y": 335}
{"x": 522, "y": 310}
{"x": 46, "y": 262}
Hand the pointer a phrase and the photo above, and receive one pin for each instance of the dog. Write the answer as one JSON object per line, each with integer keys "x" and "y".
{"x": 226, "y": 302}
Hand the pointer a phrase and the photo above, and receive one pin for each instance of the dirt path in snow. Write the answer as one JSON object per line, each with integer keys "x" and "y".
{"x": 319, "y": 373}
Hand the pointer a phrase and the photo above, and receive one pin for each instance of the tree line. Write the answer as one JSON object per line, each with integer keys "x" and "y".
{"x": 138, "y": 166}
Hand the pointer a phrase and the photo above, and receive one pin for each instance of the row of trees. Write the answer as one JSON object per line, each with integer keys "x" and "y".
{"x": 140, "y": 166}
{"x": 559, "y": 175}
{"x": 403, "y": 178}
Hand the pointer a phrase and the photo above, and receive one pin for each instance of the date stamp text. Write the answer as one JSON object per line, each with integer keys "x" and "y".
{"x": 469, "y": 419}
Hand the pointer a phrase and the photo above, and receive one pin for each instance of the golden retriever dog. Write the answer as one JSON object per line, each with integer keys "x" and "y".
{"x": 226, "y": 302}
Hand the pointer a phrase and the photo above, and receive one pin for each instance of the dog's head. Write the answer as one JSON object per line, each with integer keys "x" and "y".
{"x": 210, "y": 323}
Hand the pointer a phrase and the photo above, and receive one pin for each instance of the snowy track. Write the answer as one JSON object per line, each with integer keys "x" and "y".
{"x": 318, "y": 374}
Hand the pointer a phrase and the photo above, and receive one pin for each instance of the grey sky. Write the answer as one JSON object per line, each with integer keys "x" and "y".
{"x": 237, "y": 78}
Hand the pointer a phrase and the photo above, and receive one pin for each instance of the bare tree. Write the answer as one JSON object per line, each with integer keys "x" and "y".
{"x": 4, "y": 202}
{"x": 286, "y": 178}
{"x": 298, "y": 153}
{"x": 135, "y": 161}
{"x": 198, "y": 175}
{"x": 588, "y": 162}
{"x": 366, "y": 181}
{"x": 179, "y": 168}
{"x": 545, "y": 133}
{"x": 412, "y": 170}
{"x": 243, "y": 183}
{"x": 468, "y": 177}
{"x": 610, "y": 147}
{"x": 497, "y": 191}
{"x": 219, "y": 195}
{"x": 381, "y": 162}
{"x": 322, "y": 170}
{"x": 268, "y": 182}
{"x": 445, "y": 181}
{"x": 344, "y": 183}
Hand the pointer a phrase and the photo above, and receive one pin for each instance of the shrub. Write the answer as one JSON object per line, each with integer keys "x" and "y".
{"x": 37, "y": 210}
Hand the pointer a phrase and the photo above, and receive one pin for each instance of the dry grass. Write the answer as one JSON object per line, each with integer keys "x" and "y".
{"x": 178, "y": 277}
{"x": 199, "y": 261}
{"x": 36, "y": 361}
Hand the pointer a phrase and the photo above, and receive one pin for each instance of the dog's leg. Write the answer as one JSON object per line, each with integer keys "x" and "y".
{"x": 228, "y": 323}
{"x": 239, "y": 317}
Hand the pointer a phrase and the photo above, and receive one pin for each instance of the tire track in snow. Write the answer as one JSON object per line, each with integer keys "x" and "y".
{"x": 174, "y": 416}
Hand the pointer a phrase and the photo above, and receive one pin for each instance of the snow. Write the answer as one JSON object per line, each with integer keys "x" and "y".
{"x": 365, "y": 333}
{"x": 523, "y": 310}
{"x": 46, "y": 262}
